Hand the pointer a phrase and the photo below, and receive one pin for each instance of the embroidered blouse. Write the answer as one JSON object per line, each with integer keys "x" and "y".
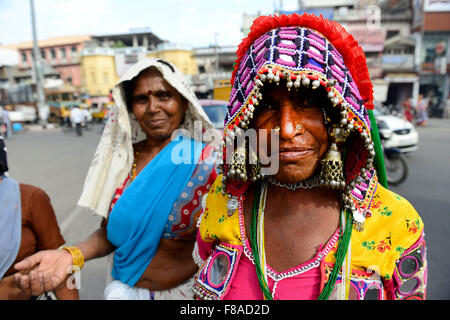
{"x": 388, "y": 258}
{"x": 300, "y": 282}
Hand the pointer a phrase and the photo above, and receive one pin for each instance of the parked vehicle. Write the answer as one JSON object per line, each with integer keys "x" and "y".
{"x": 16, "y": 116}
{"x": 61, "y": 100}
{"x": 216, "y": 111}
{"x": 99, "y": 111}
{"x": 395, "y": 163}
{"x": 222, "y": 89}
{"x": 397, "y": 132}
{"x": 28, "y": 113}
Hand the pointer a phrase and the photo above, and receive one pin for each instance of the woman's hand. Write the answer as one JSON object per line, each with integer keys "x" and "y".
{"x": 43, "y": 271}
{"x": 10, "y": 291}
{"x": 46, "y": 270}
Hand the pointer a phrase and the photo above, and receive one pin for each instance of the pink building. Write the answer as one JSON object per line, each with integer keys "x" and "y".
{"x": 62, "y": 53}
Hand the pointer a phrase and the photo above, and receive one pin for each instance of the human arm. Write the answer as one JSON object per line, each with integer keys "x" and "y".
{"x": 63, "y": 292}
{"x": 10, "y": 291}
{"x": 50, "y": 268}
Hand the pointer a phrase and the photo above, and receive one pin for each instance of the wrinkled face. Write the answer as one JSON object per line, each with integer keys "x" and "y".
{"x": 303, "y": 136}
{"x": 158, "y": 107}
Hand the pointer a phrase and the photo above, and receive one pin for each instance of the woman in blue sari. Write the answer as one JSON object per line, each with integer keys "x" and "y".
{"x": 146, "y": 180}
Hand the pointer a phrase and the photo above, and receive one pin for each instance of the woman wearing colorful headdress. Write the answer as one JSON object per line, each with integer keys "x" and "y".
{"x": 146, "y": 181}
{"x": 320, "y": 223}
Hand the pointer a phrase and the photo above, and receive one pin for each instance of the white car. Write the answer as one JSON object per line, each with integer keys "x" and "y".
{"x": 23, "y": 113}
{"x": 399, "y": 133}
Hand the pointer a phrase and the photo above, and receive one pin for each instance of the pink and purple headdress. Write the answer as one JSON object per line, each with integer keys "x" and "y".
{"x": 306, "y": 51}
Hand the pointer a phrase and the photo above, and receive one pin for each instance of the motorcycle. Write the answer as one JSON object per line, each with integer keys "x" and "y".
{"x": 395, "y": 162}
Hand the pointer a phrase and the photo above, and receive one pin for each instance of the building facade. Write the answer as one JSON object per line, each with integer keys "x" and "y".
{"x": 383, "y": 30}
{"x": 61, "y": 53}
{"x": 135, "y": 38}
{"x": 431, "y": 29}
{"x": 215, "y": 65}
{"x": 181, "y": 56}
{"x": 98, "y": 71}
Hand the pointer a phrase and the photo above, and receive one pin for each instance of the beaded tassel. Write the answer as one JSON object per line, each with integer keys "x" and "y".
{"x": 332, "y": 169}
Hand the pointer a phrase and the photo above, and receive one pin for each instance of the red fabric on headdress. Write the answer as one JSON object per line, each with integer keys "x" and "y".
{"x": 345, "y": 43}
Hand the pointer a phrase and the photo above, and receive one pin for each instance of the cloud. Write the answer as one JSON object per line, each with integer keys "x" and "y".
{"x": 191, "y": 22}
{"x": 13, "y": 14}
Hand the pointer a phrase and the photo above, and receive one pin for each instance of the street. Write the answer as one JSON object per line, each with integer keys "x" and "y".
{"x": 58, "y": 161}
{"x": 428, "y": 189}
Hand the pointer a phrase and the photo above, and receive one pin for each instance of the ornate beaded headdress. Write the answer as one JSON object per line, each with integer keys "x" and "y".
{"x": 309, "y": 51}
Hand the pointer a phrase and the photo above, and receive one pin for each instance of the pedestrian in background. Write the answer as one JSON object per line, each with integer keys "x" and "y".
{"x": 77, "y": 117}
{"x": 27, "y": 225}
{"x": 2, "y": 125}
{"x": 408, "y": 110}
{"x": 87, "y": 117}
{"x": 422, "y": 110}
{"x": 6, "y": 122}
{"x": 447, "y": 108}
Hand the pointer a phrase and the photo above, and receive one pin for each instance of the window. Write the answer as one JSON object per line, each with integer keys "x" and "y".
{"x": 43, "y": 54}
{"x": 392, "y": 33}
{"x": 131, "y": 58}
{"x": 24, "y": 58}
{"x": 105, "y": 77}
{"x": 53, "y": 54}
{"x": 63, "y": 55}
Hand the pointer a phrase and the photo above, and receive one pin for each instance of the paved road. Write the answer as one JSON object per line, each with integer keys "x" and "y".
{"x": 58, "y": 161}
{"x": 428, "y": 189}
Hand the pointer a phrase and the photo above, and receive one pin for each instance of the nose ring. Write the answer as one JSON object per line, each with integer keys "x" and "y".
{"x": 299, "y": 126}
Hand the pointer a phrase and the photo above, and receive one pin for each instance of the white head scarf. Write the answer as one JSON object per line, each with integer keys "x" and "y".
{"x": 114, "y": 155}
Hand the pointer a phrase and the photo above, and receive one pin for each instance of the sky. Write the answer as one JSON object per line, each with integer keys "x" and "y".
{"x": 196, "y": 23}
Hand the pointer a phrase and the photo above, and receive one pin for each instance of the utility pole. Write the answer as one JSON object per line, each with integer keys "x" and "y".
{"x": 43, "y": 109}
{"x": 216, "y": 53}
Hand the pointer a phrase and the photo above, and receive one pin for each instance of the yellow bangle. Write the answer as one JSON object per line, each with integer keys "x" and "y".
{"x": 77, "y": 256}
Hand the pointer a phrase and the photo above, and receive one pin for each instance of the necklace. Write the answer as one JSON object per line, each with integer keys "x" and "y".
{"x": 258, "y": 248}
{"x": 309, "y": 183}
{"x": 133, "y": 167}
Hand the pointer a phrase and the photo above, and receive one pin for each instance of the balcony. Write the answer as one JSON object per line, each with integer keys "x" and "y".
{"x": 344, "y": 15}
{"x": 398, "y": 62}
{"x": 74, "y": 59}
